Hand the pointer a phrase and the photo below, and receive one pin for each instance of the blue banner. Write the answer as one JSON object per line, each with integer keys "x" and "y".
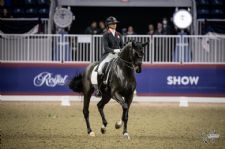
{"x": 175, "y": 80}
{"x": 37, "y": 79}
{"x": 182, "y": 80}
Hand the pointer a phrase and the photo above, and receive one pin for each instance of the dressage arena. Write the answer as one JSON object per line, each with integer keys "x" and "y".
{"x": 48, "y": 124}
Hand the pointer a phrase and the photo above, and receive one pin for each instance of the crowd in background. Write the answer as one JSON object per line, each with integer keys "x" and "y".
{"x": 95, "y": 28}
{"x": 163, "y": 27}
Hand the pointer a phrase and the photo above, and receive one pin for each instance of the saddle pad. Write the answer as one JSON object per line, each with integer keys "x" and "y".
{"x": 94, "y": 75}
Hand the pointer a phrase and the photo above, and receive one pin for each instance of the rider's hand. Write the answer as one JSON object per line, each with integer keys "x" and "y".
{"x": 116, "y": 50}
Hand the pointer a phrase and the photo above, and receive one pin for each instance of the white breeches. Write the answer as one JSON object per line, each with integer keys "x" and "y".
{"x": 108, "y": 58}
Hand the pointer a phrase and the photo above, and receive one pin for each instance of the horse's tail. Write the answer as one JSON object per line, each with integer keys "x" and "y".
{"x": 76, "y": 84}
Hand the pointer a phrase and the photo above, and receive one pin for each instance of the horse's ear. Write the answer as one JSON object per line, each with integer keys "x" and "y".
{"x": 145, "y": 44}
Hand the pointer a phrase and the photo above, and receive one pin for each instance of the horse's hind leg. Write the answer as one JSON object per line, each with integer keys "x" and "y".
{"x": 86, "y": 113}
{"x": 101, "y": 104}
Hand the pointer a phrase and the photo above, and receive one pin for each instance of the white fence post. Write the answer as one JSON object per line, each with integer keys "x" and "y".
{"x": 28, "y": 48}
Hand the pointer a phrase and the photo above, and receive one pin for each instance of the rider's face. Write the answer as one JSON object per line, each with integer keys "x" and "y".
{"x": 113, "y": 26}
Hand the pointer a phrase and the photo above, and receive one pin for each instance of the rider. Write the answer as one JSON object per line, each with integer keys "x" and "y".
{"x": 112, "y": 43}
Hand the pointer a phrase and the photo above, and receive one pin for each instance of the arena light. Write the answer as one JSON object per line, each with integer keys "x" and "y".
{"x": 63, "y": 17}
{"x": 182, "y": 19}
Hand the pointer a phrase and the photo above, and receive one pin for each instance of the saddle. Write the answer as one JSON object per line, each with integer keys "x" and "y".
{"x": 104, "y": 78}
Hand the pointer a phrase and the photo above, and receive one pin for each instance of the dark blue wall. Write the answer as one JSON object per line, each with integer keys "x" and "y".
{"x": 159, "y": 80}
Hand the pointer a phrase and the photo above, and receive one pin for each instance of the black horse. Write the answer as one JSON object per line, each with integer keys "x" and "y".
{"x": 121, "y": 84}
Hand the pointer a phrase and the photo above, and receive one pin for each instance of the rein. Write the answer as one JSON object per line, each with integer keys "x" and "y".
{"x": 127, "y": 63}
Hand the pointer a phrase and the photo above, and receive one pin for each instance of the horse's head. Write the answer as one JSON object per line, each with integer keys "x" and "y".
{"x": 134, "y": 54}
{"x": 137, "y": 55}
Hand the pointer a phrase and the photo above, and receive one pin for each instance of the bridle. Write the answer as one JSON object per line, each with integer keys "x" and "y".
{"x": 127, "y": 63}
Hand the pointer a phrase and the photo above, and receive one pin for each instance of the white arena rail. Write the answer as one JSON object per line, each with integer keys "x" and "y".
{"x": 165, "y": 49}
{"x": 205, "y": 49}
{"x": 97, "y": 45}
{"x": 78, "y": 48}
{"x": 30, "y": 48}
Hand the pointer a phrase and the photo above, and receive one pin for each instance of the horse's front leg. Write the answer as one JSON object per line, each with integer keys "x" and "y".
{"x": 101, "y": 104}
{"x": 125, "y": 114}
{"x": 125, "y": 107}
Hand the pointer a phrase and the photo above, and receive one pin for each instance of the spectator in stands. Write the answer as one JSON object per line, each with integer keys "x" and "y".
{"x": 112, "y": 44}
{"x": 159, "y": 30}
{"x": 150, "y": 29}
{"x": 102, "y": 28}
{"x": 130, "y": 30}
{"x": 158, "y": 53}
{"x": 166, "y": 27}
{"x": 92, "y": 29}
{"x": 166, "y": 54}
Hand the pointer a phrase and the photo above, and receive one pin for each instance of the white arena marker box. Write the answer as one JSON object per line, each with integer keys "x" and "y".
{"x": 183, "y": 102}
{"x": 65, "y": 101}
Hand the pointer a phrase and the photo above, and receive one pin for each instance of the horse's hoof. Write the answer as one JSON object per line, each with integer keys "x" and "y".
{"x": 92, "y": 134}
{"x": 103, "y": 129}
{"x": 126, "y": 135}
{"x": 118, "y": 124}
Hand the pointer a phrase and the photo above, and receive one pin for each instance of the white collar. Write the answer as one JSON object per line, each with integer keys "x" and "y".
{"x": 112, "y": 31}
